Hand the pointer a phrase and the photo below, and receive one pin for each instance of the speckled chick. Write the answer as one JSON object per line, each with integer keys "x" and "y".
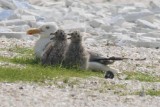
{"x": 76, "y": 55}
{"x": 54, "y": 54}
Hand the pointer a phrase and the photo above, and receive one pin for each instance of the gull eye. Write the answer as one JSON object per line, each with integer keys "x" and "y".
{"x": 47, "y": 27}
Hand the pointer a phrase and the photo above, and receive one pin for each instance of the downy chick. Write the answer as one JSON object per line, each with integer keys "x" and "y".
{"x": 76, "y": 55}
{"x": 54, "y": 54}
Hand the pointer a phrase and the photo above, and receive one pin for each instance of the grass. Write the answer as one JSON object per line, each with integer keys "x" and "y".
{"x": 153, "y": 92}
{"x": 142, "y": 77}
{"x": 35, "y": 72}
{"x": 21, "y": 50}
{"x": 107, "y": 86}
{"x": 150, "y": 92}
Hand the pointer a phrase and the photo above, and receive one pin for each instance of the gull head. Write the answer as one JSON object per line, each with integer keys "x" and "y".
{"x": 45, "y": 31}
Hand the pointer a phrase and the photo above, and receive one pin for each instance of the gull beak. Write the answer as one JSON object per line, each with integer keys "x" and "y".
{"x": 33, "y": 31}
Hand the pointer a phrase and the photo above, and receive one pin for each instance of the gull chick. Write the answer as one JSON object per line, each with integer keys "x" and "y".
{"x": 54, "y": 54}
{"x": 76, "y": 55}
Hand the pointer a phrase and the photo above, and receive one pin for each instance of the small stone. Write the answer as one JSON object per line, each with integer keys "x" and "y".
{"x": 96, "y": 23}
{"x": 21, "y": 88}
{"x": 157, "y": 47}
{"x": 133, "y": 16}
{"x": 109, "y": 75}
{"x": 146, "y": 24}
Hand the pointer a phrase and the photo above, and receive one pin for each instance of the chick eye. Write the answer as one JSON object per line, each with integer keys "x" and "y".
{"x": 61, "y": 33}
{"x": 47, "y": 27}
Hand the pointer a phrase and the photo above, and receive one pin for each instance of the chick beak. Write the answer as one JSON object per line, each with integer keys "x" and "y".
{"x": 33, "y": 31}
{"x": 52, "y": 33}
{"x": 69, "y": 35}
{"x": 69, "y": 38}
{"x": 52, "y": 38}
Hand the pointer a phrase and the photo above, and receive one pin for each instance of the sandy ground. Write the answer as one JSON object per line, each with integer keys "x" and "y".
{"x": 90, "y": 92}
{"x": 32, "y": 95}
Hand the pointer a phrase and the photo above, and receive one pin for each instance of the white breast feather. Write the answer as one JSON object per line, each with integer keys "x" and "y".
{"x": 40, "y": 46}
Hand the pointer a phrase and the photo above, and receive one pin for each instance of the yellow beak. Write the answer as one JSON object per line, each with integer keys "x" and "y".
{"x": 33, "y": 31}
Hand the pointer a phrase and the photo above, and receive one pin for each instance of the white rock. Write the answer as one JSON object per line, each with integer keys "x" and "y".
{"x": 7, "y": 4}
{"x": 147, "y": 41}
{"x": 18, "y": 35}
{"x": 106, "y": 27}
{"x": 13, "y": 16}
{"x": 71, "y": 16}
{"x": 126, "y": 42}
{"x": 133, "y": 16}
{"x": 72, "y": 25}
{"x": 68, "y": 3}
{"x": 117, "y": 20}
{"x": 139, "y": 29}
{"x": 148, "y": 44}
{"x": 79, "y": 4}
{"x": 96, "y": 7}
{"x": 91, "y": 42}
{"x": 101, "y": 13}
{"x": 153, "y": 5}
{"x": 140, "y": 5}
{"x": 4, "y": 29}
{"x": 151, "y": 34}
{"x": 22, "y": 28}
{"x": 127, "y": 9}
{"x": 128, "y": 25}
{"x": 146, "y": 24}
{"x": 114, "y": 10}
{"x": 156, "y": 22}
{"x": 35, "y": 24}
{"x": 13, "y": 22}
{"x": 120, "y": 30}
{"x": 149, "y": 18}
{"x": 28, "y": 17}
{"x": 76, "y": 15}
{"x": 109, "y": 37}
{"x": 88, "y": 16}
{"x": 76, "y": 10}
{"x": 5, "y": 14}
{"x": 96, "y": 23}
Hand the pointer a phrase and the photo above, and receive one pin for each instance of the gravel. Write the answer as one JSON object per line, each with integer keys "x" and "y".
{"x": 93, "y": 91}
{"x": 84, "y": 95}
